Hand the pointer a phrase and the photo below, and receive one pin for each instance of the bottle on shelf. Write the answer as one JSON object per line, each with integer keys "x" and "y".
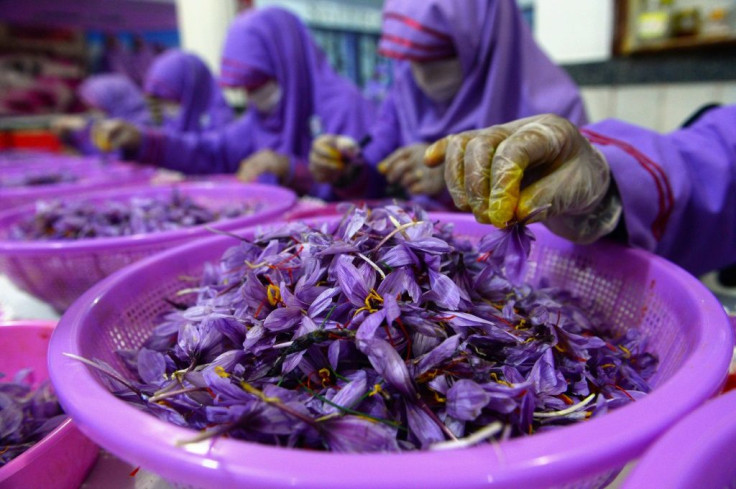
{"x": 654, "y": 21}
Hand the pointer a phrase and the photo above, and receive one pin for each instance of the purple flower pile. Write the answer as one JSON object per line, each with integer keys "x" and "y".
{"x": 385, "y": 334}
{"x": 33, "y": 180}
{"x": 26, "y": 415}
{"x": 58, "y": 220}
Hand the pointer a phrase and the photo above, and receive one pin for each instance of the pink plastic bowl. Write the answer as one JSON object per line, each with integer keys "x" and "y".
{"x": 697, "y": 453}
{"x": 688, "y": 330}
{"x": 58, "y": 272}
{"x": 91, "y": 174}
{"x": 62, "y": 459}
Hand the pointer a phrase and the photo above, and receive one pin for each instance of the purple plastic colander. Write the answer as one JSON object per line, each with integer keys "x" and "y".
{"x": 58, "y": 272}
{"x": 687, "y": 327}
{"x": 9, "y": 158}
{"x": 91, "y": 174}
{"x": 63, "y": 457}
{"x": 698, "y": 452}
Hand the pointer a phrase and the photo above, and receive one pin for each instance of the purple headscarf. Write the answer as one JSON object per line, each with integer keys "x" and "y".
{"x": 505, "y": 74}
{"x": 272, "y": 43}
{"x": 117, "y": 96}
{"x": 184, "y": 78}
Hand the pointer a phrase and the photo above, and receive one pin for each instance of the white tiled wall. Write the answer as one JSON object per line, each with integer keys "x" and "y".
{"x": 662, "y": 107}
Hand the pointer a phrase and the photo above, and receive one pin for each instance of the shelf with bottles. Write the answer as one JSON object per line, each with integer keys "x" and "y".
{"x": 650, "y": 26}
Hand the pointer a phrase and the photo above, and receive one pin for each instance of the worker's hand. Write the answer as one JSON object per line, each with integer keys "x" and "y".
{"x": 330, "y": 157}
{"x": 542, "y": 163}
{"x": 264, "y": 161}
{"x": 114, "y": 134}
{"x": 64, "y": 126}
{"x": 406, "y": 167}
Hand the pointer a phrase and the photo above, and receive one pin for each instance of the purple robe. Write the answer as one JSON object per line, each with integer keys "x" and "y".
{"x": 261, "y": 45}
{"x": 184, "y": 78}
{"x": 506, "y": 75}
{"x": 679, "y": 189}
{"x": 117, "y": 96}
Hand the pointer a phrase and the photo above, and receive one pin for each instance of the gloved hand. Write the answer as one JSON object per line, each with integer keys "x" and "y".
{"x": 542, "y": 163}
{"x": 264, "y": 161}
{"x": 114, "y": 134}
{"x": 406, "y": 167}
{"x": 330, "y": 157}
{"x": 65, "y": 126}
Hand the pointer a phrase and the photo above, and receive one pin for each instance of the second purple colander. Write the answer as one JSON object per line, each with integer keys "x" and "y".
{"x": 59, "y": 271}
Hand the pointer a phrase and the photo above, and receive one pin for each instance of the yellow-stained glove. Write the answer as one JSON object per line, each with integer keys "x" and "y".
{"x": 406, "y": 167}
{"x": 113, "y": 134}
{"x": 264, "y": 161}
{"x": 64, "y": 126}
{"x": 331, "y": 156}
{"x": 542, "y": 163}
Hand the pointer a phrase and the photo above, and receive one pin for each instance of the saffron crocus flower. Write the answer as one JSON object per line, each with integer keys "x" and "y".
{"x": 26, "y": 415}
{"x": 382, "y": 332}
{"x": 81, "y": 219}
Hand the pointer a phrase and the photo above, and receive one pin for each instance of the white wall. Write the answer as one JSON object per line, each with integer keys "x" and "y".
{"x": 202, "y": 27}
{"x": 574, "y": 31}
{"x": 662, "y": 107}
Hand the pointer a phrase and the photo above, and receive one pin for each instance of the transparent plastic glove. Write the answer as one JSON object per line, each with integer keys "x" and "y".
{"x": 330, "y": 157}
{"x": 542, "y": 163}
{"x": 264, "y": 161}
{"x": 406, "y": 167}
{"x": 113, "y": 134}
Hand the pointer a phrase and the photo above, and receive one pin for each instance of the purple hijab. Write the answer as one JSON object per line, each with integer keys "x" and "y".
{"x": 272, "y": 43}
{"x": 184, "y": 78}
{"x": 117, "y": 96}
{"x": 506, "y": 75}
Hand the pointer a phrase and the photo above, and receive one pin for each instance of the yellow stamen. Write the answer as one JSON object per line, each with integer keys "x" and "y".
{"x": 369, "y": 305}
{"x": 324, "y": 374}
{"x": 376, "y": 390}
{"x": 494, "y": 376}
{"x": 274, "y": 294}
{"x": 438, "y": 397}
{"x": 627, "y": 353}
{"x": 221, "y": 372}
{"x": 256, "y": 392}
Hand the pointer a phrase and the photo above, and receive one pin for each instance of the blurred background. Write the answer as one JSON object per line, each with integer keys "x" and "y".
{"x": 650, "y": 62}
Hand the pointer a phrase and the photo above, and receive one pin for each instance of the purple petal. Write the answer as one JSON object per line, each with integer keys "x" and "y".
{"x": 442, "y": 352}
{"x": 369, "y": 326}
{"x": 151, "y": 366}
{"x": 349, "y": 395}
{"x": 322, "y": 302}
{"x": 466, "y": 399}
{"x": 292, "y": 361}
{"x": 282, "y": 319}
{"x": 545, "y": 377}
{"x": 389, "y": 365}
{"x": 399, "y": 281}
{"x": 351, "y": 434}
{"x": 399, "y": 256}
{"x": 430, "y": 245}
{"x": 351, "y": 282}
{"x": 422, "y": 426}
{"x": 443, "y": 291}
